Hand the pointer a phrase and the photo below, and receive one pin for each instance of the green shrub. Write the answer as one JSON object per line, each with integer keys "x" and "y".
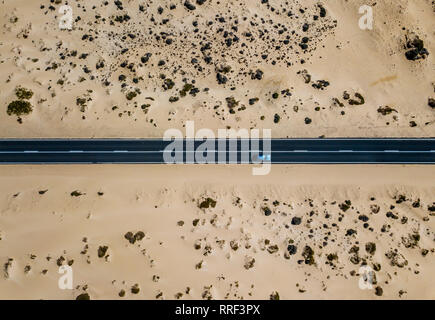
{"x": 131, "y": 95}
{"x": 23, "y": 93}
{"x": 186, "y": 88}
{"x": 19, "y": 107}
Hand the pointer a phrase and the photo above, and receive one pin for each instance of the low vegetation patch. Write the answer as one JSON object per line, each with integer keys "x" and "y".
{"x": 19, "y": 108}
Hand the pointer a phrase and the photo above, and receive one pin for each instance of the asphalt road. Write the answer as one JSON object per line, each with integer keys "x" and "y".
{"x": 332, "y": 151}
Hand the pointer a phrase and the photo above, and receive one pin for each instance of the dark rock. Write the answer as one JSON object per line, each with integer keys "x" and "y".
{"x": 296, "y": 221}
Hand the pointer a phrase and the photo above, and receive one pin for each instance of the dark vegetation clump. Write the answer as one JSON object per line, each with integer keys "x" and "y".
{"x": 207, "y": 203}
{"x": 276, "y": 118}
{"x": 231, "y": 102}
{"x": 274, "y": 295}
{"x": 23, "y": 93}
{"x": 308, "y": 255}
{"x": 19, "y": 108}
{"x": 189, "y": 5}
{"x": 296, "y": 221}
{"x": 76, "y": 193}
{"x": 168, "y": 84}
{"x": 386, "y": 110}
{"x": 131, "y": 95}
{"x": 371, "y": 247}
{"x": 332, "y": 257}
{"x": 135, "y": 289}
{"x": 83, "y": 296}
{"x": 102, "y": 250}
{"x": 221, "y": 79}
{"x": 81, "y": 102}
{"x": 132, "y": 238}
{"x": 379, "y": 291}
{"x": 292, "y": 249}
{"x": 416, "y": 49}
{"x": 320, "y": 84}
{"x": 186, "y": 89}
{"x": 257, "y": 75}
{"x": 350, "y": 232}
{"x": 266, "y": 211}
{"x": 360, "y": 101}
{"x": 345, "y": 205}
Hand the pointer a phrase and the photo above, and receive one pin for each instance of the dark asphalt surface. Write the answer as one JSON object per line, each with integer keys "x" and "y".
{"x": 391, "y": 151}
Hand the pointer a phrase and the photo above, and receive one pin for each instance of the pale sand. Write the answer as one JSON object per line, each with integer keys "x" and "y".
{"x": 370, "y": 62}
{"x": 154, "y": 198}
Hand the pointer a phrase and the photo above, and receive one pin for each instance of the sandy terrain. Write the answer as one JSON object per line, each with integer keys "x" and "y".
{"x": 302, "y": 68}
{"x": 136, "y": 68}
{"x": 302, "y": 231}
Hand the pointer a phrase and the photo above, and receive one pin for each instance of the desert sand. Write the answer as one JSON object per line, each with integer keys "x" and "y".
{"x": 137, "y": 68}
{"x": 217, "y": 232}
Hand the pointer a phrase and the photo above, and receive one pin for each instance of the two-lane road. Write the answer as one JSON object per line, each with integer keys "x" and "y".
{"x": 56, "y": 151}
